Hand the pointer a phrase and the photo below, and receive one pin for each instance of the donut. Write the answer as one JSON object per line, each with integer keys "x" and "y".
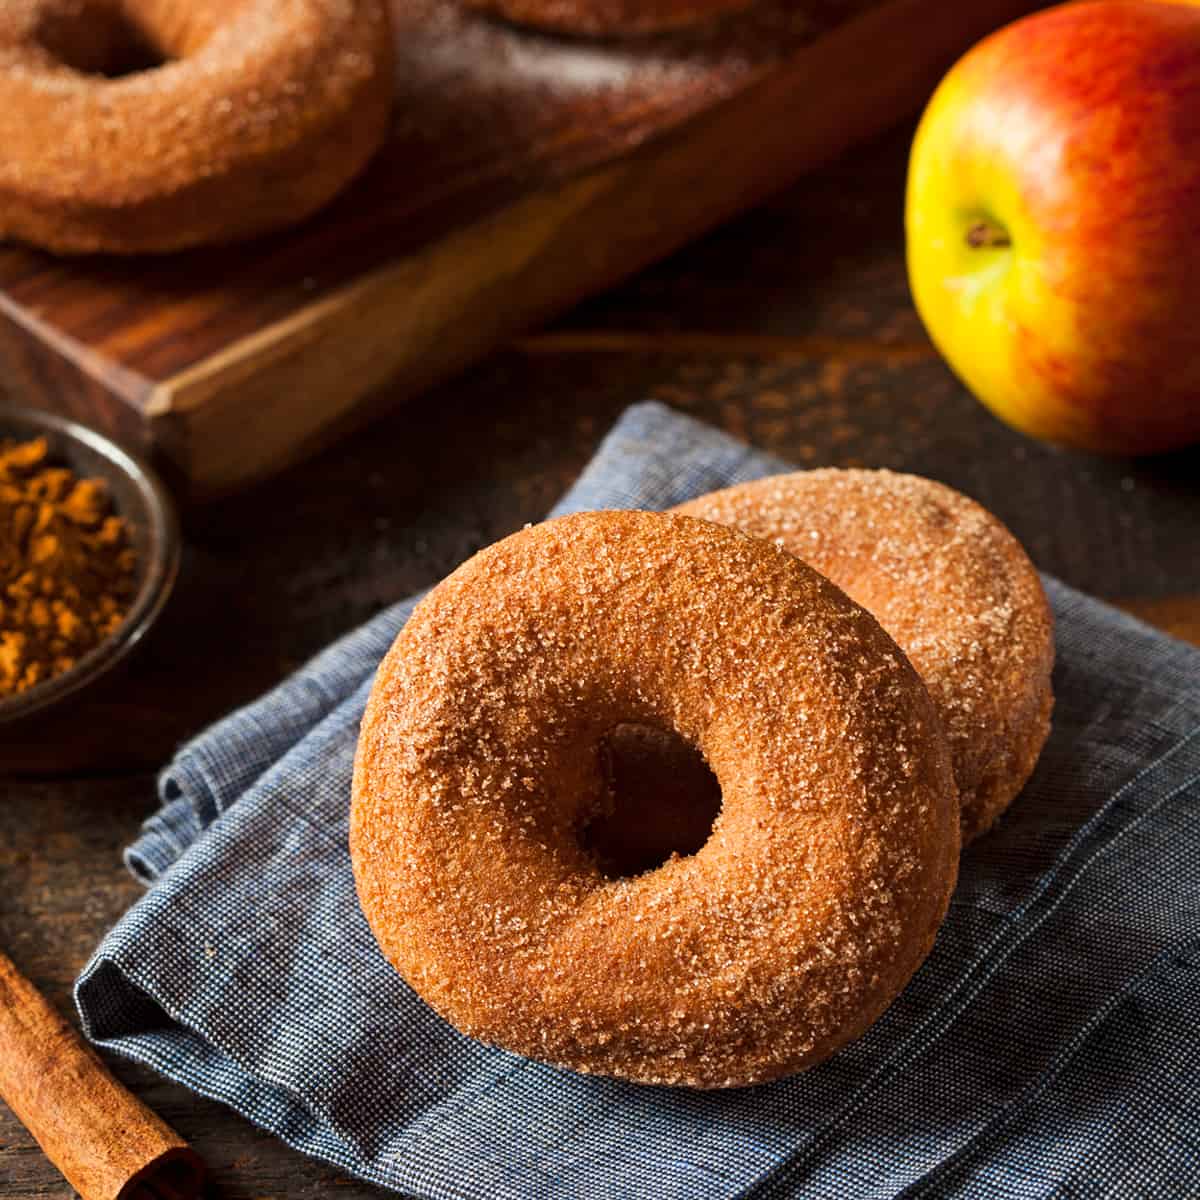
{"x": 828, "y": 869}
{"x": 608, "y": 18}
{"x": 134, "y": 126}
{"x": 950, "y": 584}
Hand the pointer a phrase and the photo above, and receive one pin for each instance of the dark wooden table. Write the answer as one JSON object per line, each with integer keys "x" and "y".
{"x": 791, "y": 328}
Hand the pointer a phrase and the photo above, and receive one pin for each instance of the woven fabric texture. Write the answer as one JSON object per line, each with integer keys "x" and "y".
{"x": 1049, "y": 1046}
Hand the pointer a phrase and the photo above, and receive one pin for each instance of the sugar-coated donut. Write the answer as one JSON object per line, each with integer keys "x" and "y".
{"x": 152, "y": 125}
{"x": 829, "y": 867}
{"x": 949, "y": 582}
{"x": 608, "y": 18}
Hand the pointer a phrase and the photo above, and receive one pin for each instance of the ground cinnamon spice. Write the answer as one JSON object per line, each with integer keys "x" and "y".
{"x": 67, "y": 570}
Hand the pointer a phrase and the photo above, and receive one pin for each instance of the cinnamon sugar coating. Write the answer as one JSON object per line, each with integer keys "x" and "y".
{"x": 949, "y": 582}
{"x": 260, "y": 112}
{"x": 608, "y": 18}
{"x": 830, "y": 864}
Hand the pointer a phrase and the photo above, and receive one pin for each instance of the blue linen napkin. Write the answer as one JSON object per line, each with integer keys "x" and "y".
{"x": 1050, "y": 1045}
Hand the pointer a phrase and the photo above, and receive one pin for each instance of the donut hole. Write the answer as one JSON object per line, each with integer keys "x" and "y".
{"x": 661, "y": 800}
{"x": 100, "y": 38}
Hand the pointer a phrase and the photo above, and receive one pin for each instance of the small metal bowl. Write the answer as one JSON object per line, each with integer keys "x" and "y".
{"x": 137, "y": 495}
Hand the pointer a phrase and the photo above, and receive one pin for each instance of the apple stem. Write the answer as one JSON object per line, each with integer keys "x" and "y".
{"x": 986, "y": 233}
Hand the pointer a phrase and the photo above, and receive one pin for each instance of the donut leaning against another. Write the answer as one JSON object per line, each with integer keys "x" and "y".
{"x": 949, "y": 582}
{"x": 829, "y": 867}
{"x": 134, "y": 126}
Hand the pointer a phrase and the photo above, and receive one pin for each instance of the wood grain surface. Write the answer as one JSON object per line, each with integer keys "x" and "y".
{"x": 522, "y": 172}
{"x": 791, "y": 328}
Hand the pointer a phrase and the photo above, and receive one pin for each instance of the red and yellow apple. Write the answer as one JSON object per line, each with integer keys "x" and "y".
{"x": 1053, "y": 223}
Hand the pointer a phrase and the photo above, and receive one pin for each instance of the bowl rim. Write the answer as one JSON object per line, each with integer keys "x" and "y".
{"x": 157, "y": 510}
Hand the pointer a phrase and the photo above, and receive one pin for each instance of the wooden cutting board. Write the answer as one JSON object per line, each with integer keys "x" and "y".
{"x": 522, "y": 172}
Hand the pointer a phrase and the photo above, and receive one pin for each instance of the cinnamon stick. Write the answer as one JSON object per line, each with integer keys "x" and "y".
{"x": 106, "y": 1142}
